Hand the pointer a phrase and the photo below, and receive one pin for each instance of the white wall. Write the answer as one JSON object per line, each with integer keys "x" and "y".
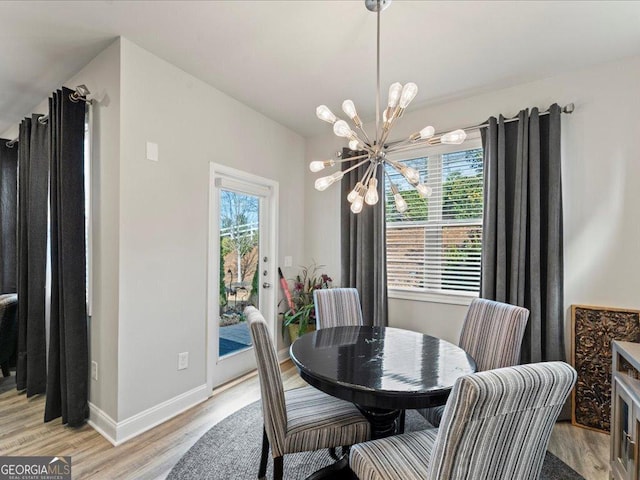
{"x": 601, "y": 171}
{"x": 164, "y": 216}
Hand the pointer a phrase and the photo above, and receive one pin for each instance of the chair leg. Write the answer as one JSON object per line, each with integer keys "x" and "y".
{"x": 262, "y": 472}
{"x": 277, "y": 468}
{"x": 5, "y": 369}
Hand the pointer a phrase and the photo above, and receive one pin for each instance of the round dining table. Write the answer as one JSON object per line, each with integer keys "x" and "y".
{"x": 382, "y": 370}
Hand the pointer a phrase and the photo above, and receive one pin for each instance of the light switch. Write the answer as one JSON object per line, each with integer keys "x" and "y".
{"x": 288, "y": 261}
{"x": 152, "y": 151}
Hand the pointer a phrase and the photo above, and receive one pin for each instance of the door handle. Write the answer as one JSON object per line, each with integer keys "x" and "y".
{"x": 266, "y": 285}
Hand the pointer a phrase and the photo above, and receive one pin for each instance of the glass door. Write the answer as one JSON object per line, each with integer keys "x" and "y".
{"x": 239, "y": 268}
{"x": 241, "y": 253}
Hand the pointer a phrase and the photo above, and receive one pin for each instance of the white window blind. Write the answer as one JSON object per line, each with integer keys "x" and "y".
{"x": 436, "y": 245}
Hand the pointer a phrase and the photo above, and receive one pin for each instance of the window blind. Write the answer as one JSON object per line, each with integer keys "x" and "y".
{"x": 435, "y": 246}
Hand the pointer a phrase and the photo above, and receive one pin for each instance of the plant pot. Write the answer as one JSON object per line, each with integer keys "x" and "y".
{"x": 293, "y": 331}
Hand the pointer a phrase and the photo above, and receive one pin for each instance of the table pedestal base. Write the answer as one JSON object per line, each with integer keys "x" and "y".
{"x": 384, "y": 422}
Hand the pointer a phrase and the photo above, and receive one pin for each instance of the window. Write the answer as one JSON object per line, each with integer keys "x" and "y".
{"x": 435, "y": 246}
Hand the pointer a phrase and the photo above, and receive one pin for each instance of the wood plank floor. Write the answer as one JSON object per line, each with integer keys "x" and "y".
{"x": 153, "y": 454}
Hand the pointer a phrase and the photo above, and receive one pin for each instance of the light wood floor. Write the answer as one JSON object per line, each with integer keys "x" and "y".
{"x": 153, "y": 454}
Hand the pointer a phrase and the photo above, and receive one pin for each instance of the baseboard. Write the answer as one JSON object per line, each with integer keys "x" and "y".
{"x": 283, "y": 355}
{"x": 103, "y": 423}
{"x": 120, "y": 432}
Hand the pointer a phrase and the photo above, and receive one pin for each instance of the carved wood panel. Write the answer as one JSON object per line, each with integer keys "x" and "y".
{"x": 593, "y": 329}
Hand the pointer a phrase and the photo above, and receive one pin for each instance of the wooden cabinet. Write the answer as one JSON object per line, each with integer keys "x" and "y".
{"x": 625, "y": 411}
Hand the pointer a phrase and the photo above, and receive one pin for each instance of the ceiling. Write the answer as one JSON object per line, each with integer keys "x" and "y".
{"x": 284, "y": 58}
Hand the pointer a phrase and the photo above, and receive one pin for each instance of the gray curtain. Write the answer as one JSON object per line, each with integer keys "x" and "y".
{"x": 33, "y": 178}
{"x": 363, "y": 248}
{"x": 522, "y": 257}
{"x": 68, "y": 367}
{"x": 8, "y": 216}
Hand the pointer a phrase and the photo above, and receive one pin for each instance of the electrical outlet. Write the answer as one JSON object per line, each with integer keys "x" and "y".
{"x": 183, "y": 360}
{"x": 94, "y": 370}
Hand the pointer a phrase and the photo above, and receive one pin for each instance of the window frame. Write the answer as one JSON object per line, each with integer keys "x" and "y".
{"x": 472, "y": 141}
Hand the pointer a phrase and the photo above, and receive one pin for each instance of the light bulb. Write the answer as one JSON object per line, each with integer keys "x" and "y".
{"x": 353, "y": 194}
{"x": 454, "y": 138}
{"x": 358, "y": 203}
{"x": 394, "y": 94}
{"x": 325, "y": 182}
{"x": 349, "y": 108}
{"x": 409, "y": 92}
{"x": 427, "y": 132}
{"x": 401, "y": 205}
{"x": 323, "y": 113}
{"x": 341, "y": 129}
{"x": 354, "y": 145}
{"x": 318, "y": 165}
{"x": 423, "y": 190}
{"x": 372, "y": 192}
{"x": 412, "y": 175}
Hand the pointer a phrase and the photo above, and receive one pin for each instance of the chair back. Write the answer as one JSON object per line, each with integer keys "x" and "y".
{"x": 337, "y": 307}
{"x": 274, "y": 409}
{"x": 497, "y": 424}
{"x": 492, "y": 333}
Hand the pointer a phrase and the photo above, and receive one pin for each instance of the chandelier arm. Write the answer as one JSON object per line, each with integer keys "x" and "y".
{"x": 397, "y": 168}
{"x": 353, "y": 167}
{"x": 364, "y": 132}
{"x": 404, "y": 148}
{"x": 385, "y": 134}
{"x": 368, "y": 173}
{"x": 378, "y": 74}
{"x": 351, "y": 159}
{"x": 392, "y": 185}
{"x": 391, "y": 146}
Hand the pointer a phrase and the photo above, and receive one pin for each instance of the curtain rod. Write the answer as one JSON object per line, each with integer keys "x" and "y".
{"x": 568, "y": 108}
{"x": 79, "y": 94}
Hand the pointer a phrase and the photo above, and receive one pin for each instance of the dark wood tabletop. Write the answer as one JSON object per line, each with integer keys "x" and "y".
{"x": 381, "y": 367}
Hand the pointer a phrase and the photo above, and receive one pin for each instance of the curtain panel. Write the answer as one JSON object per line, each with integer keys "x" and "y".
{"x": 522, "y": 243}
{"x": 8, "y": 216}
{"x": 68, "y": 367}
{"x": 33, "y": 179}
{"x": 363, "y": 247}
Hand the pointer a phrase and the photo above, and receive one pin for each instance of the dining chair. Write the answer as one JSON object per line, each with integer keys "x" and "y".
{"x": 337, "y": 307}
{"x": 496, "y": 426}
{"x": 492, "y": 334}
{"x": 300, "y": 420}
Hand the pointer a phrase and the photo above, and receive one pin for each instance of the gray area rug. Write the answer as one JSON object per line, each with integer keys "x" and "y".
{"x": 231, "y": 450}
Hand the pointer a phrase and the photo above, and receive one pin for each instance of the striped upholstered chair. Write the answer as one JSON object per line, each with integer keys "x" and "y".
{"x": 299, "y": 420}
{"x": 492, "y": 334}
{"x": 496, "y": 426}
{"x": 337, "y": 307}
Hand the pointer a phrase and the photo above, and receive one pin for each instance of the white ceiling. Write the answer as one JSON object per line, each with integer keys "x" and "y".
{"x": 283, "y": 58}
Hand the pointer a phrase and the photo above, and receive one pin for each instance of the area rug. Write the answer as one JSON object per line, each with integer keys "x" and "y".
{"x": 231, "y": 450}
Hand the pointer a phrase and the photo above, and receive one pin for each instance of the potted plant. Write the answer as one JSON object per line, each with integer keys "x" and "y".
{"x": 300, "y": 317}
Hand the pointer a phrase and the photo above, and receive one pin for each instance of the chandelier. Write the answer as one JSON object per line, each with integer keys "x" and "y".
{"x": 375, "y": 151}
